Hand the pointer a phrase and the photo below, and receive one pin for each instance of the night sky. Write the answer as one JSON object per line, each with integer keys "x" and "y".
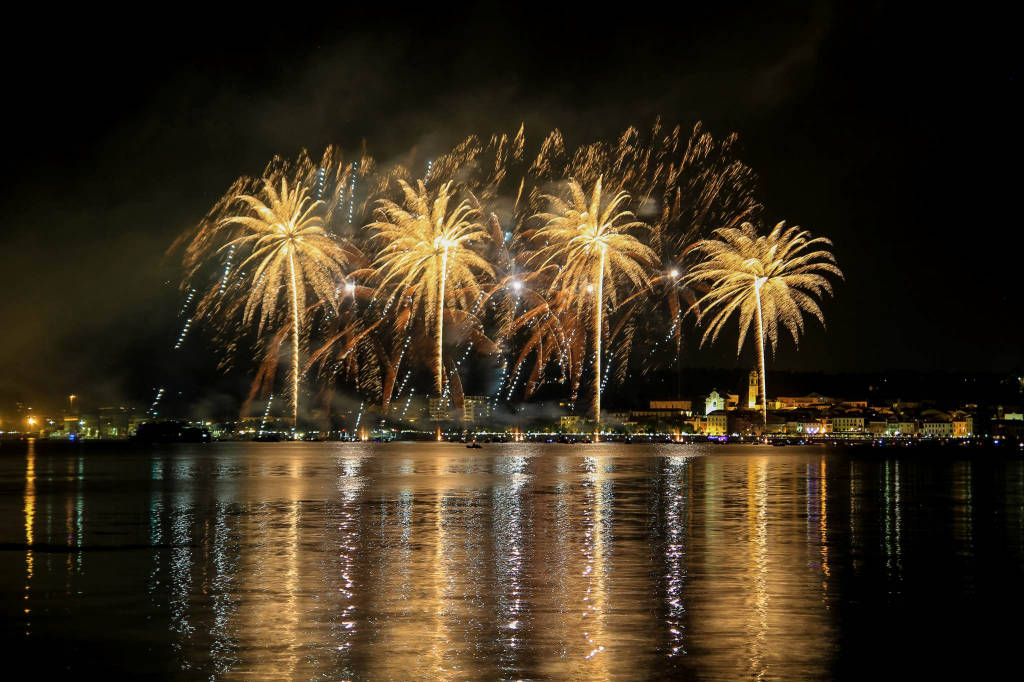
{"x": 892, "y": 131}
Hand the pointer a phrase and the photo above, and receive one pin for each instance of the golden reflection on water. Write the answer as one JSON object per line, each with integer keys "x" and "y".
{"x": 678, "y": 521}
{"x": 593, "y": 572}
{"x": 757, "y": 505}
{"x": 511, "y": 529}
{"x": 270, "y": 617}
{"x": 417, "y": 561}
{"x": 30, "y": 519}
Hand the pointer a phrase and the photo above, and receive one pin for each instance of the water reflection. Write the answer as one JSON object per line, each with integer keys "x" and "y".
{"x": 677, "y": 523}
{"x": 30, "y": 520}
{"x": 512, "y": 528}
{"x": 893, "y": 518}
{"x": 522, "y": 561}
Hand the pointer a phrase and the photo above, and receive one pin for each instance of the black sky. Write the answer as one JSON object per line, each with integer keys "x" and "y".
{"x": 890, "y": 129}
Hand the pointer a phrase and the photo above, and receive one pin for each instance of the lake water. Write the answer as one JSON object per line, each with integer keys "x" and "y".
{"x": 428, "y": 560}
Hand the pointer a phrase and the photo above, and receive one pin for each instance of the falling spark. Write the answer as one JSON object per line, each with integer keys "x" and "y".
{"x": 156, "y": 401}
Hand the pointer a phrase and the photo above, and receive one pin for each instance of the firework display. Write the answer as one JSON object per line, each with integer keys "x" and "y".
{"x": 593, "y": 256}
{"x": 773, "y": 279}
{"x": 492, "y": 264}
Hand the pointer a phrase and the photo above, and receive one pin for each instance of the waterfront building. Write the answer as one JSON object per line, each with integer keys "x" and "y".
{"x": 117, "y": 422}
{"x": 776, "y": 423}
{"x": 717, "y": 423}
{"x": 814, "y": 400}
{"x": 901, "y": 427}
{"x": 73, "y": 425}
{"x": 850, "y": 422}
{"x": 936, "y": 427}
{"x": 807, "y": 427}
{"x": 476, "y": 408}
{"x": 807, "y": 423}
{"x": 963, "y": 425}
{"x": 745, "y": 421}
{"x": 669, "y": 413}
{"x": 752, "y": 385}
{"x": 713, "y": 403}
{"x": 438, "y": 409}
{"x": 878, "y": 427}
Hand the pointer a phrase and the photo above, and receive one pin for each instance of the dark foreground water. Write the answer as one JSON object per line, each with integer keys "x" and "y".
{"x": 410, "y": 561}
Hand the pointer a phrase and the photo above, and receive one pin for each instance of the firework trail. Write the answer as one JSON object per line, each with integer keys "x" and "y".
{"x": 266, "y": 414}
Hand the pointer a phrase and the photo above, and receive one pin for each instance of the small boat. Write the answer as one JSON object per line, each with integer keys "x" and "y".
{"x": 474, "y": 445}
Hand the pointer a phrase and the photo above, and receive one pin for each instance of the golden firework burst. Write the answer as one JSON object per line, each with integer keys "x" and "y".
{"x": 773, "y": 279}
{"x": 430, "y": 258}
{"x": 289, "y": 251}
{"x": 590, "y": 246}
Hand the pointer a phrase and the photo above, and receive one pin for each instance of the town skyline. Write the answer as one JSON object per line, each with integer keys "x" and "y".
{"x": 946, "y": 405}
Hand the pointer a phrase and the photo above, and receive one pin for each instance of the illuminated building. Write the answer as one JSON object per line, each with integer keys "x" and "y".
{"x": 115, "y": 422}
{"x": 664, "y": 411}
{"x": 573, "y": 423}
{"x": 713, "y": 402}
{"x": 963, "y": 425}
{"x": 814, "y": 400}
{"x": 752, "y": 390}
{"x": 936, "y": 427}
{"x": 808, "y": 424}
{"x": 673, "y": 405}
{"x": 901, "y": 427}
{"x": 73, "y": 424}
{"x": 476, "y": 408}
{"x": 439, "y": 409}
{"x": 848, "y": 423}
{"x": 718, "y": 423}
